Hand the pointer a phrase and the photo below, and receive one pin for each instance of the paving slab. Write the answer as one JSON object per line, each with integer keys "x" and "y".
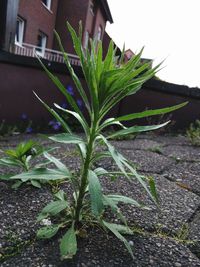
{"x": 102, "y": 250}
{"x": 137, "y": 144}
{"x": 186, "y": 175}
{"x": 176, "y": 205}
{"x": 148, "y": 161}
{"x": 182, "y": 153}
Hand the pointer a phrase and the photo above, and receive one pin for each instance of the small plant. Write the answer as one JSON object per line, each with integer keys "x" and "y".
{"x": 108, "y": 83}
{"x": 21, "y": 157}
{"x": 193, "y": 133}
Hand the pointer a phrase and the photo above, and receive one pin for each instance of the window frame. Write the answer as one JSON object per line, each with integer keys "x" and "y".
{"x": 21, "y": 30}
{"x": 47, "y": 4}
{"x": 40, "y": 50}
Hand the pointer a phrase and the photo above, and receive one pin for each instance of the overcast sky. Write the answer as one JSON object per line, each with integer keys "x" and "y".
{"x": 169, "y": 29}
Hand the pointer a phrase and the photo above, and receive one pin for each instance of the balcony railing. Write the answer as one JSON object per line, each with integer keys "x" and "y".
{"x": 29, "y": 50}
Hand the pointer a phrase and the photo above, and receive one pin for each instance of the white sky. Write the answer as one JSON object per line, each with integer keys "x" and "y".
{"x": 169, "y": 29}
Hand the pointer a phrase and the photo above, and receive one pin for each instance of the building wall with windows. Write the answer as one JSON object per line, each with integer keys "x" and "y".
{"x": 39, "y": 20}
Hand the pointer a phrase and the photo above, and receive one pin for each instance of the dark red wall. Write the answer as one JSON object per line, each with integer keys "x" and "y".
{"x": 16, "y": 92}
{"x": 38, "y": 17}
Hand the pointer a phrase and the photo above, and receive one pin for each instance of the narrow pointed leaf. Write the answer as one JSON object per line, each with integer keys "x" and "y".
{"x": 55, "y": 161}
{"x": 148, "y": 113}
{"x": 137, "y": 129}
{"x": 42, "y": 174}
{"x": 66, "y": 138}
{"x": 114, "y": 229}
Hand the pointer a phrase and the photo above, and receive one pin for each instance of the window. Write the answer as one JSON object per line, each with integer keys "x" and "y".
{"x": 86, "y": 39}
{"x": 41, "y": 43}
{"x": 47, "y": 3}
{"x": 19, "y": 31}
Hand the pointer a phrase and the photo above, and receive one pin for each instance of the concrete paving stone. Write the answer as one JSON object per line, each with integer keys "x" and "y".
{"x": 186, "y": 175}
{"x": 184, "y": 153}
{"x": 194, "y": 233}
{"x": 137, "y": 144}
{"x": 18, "y": 212}
{"x": 176, "y": 205}
{"x": 148, "y": 161}
{"x": 166, "y": 140}
{"x": 99, "y": 249}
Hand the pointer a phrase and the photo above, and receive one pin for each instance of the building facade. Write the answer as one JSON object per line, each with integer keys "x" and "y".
{"x": 29, "y": 25}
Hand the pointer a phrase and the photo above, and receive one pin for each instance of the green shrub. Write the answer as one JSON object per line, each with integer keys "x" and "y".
{"x": 193, "y": 133}
{"x": 108, "y": 83}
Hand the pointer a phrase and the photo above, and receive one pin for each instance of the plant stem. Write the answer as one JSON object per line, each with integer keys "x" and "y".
{"x": 84, "y": 176}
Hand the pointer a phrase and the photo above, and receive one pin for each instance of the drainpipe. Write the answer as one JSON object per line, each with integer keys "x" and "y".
{"x": 8, "y": 18}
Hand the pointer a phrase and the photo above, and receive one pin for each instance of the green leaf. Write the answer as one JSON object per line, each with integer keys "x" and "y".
{"x": 10, "y": 162}
{"x": 109, "y": 202}
{"x": 126, "y": 200}
{"x": 148, "y": 113}
{"x": 153, "y": 188}
{"x": 48, "y": 231}
{"x": 73, "y": 74}
{"x": 52, "y": 209}
{"x": 114, "y": 229}
{"x": 60, "y": 195}
{"x": 17, "y": 185}
{"x": 95, "y": 193}
{"x": 137, "y": 129}
{"x": 115, "y": 155}
{"x": 66, "y": 138}
{"x": 6, "y": 177}
{"x": 100, "y": 171}
{"x": 68, "y": 244}
{"x": 122, "y": 229}
{"x": 35, "y": 183}
{"x": 77, "y": 116}
{"x": 55, "y": 114}
{"x": 57, "y": 162}
{"x": 42, "y": 174}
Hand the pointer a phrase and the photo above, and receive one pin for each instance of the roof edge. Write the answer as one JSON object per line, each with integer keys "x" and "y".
{"x": 106, "y": 8}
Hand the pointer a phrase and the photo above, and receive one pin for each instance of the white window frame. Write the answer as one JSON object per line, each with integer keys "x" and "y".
{"x": 40, "y": 50}
{"x": 47, "y": 4}
{"x": 20, "y": 34}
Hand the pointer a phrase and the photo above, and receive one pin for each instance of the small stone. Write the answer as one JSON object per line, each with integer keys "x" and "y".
{"x": 177, "y": 264}
{"x": 131, "y": 243}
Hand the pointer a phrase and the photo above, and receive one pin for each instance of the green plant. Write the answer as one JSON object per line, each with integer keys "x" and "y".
{"x": 21, "y": 157}
{"x": 6, "y": 130}
{"x": 108, "y": 83}
{"x": 193, "y": 133}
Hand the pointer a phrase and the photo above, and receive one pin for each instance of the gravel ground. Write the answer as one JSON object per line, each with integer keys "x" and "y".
{"x": 165, "y": 236}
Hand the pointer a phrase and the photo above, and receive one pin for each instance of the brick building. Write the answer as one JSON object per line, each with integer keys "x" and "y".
{"x": 28, "y": 25}
{"x": 26, "y": 29}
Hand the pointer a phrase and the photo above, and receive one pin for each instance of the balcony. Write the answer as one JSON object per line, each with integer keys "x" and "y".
{"x": 29, "y": 50}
